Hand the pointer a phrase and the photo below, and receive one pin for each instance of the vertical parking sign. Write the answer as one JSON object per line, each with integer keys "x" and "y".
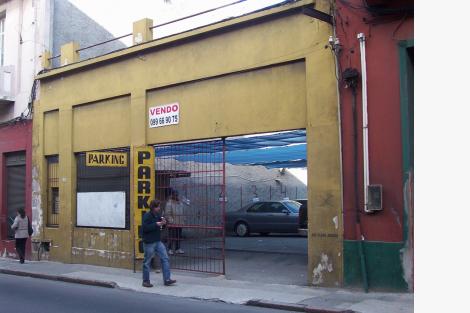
{"x": 164, "y": 115}
{"x": 144, "y": 191}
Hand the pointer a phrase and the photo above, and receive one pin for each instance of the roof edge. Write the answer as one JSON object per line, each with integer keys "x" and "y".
{"x": 272, "y": 12}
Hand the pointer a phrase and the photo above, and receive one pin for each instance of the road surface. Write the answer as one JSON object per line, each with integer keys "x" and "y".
{"x": 31, "y": 295}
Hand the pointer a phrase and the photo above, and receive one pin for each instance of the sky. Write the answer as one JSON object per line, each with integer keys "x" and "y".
{"x": 117, "y": 16}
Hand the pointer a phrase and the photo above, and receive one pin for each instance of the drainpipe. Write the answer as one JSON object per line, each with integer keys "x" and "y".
{"x": 351, "y": 78}
{"x": 365, "y": 129}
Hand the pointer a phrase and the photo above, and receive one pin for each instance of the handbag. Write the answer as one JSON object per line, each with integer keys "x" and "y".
{"x": 30, "y": 228}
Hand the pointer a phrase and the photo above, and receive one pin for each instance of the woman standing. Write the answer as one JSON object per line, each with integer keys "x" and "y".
{"x": 175, "y": 215}
{"x": 20, "y": 227}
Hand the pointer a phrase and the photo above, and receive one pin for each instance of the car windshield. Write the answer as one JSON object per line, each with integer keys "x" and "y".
{"x": 293, "y": 206}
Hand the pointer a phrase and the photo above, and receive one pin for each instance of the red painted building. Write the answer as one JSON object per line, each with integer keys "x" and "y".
{"x": 378, "y": 247}
{"x": 15, "y": 180}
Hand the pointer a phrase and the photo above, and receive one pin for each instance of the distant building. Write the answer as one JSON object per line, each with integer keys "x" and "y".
{"x": 27, "y": 29}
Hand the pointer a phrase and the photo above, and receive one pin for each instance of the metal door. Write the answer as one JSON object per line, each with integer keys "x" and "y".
{"x": 190, "y": 183}
{"x": 15, "y": 174}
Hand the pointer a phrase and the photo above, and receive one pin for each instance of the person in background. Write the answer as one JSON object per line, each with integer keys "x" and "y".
{"x": 20, "y": 226}
{"x": 174, "y": 213}
{"x": 152, "y": 224}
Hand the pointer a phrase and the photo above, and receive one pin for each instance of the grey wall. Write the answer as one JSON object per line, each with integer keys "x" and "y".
{"x": 71, "y": 24}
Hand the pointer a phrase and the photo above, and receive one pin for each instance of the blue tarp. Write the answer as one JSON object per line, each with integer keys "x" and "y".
{"x": 276, "y": 150}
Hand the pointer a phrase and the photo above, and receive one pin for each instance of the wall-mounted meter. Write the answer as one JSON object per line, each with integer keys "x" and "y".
{"x": 374, "y": 197}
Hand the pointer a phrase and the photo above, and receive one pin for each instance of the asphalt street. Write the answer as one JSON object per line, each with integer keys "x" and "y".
{"x": 30, "y": 295}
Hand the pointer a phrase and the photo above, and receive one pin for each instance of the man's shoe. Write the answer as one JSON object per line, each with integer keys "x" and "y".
{"x": 147, "y": 284}
{"x": 179, "y": 251}
{"x": 170, "y": 252}
{"x": 170, "y": 282}
{"x": 158, "y": 271}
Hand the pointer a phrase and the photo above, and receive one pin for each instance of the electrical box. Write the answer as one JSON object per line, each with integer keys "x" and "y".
{"x": 374, "y": 193}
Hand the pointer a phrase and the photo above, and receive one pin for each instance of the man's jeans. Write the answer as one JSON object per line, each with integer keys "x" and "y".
{"x": 149, "y": 251}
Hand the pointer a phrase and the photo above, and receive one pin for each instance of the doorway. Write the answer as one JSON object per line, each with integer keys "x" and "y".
{"x": 15, "y": 175}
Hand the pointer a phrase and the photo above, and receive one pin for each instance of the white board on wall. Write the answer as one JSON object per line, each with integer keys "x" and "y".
{"x": 101, "y": 209}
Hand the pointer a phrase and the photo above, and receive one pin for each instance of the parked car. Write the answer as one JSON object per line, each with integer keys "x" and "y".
{"x": 303, "y": 217}
{"x": 264, "y": 217}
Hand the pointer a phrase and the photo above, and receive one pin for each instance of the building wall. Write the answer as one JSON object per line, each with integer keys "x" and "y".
{"x": 71, "y": 24}
{"x": 13, "y": 139}
{"x": 28, "y": 33}
{"x": 384, "y": 232}
{"x": 267, "y": 71}
{"x": 26, "y": 37}
{"x": 26, "y": 30}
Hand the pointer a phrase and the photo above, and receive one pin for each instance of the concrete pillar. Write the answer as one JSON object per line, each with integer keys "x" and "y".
{"x": 141, "y": 31}
{"x": 325, "y": 220}
{"x": 139, "y": 125}
{"x": 46, "y": 62}
{"x": 67, "y": 184}
{"x": 69, "y": 54}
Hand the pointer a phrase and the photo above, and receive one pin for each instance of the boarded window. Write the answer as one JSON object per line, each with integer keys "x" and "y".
{"x": 103, "y": 194}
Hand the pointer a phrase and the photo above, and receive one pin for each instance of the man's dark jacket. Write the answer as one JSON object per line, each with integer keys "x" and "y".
{"x": 150, "y": 229}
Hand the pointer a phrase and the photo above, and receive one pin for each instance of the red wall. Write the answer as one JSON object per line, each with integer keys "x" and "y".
{"x": 385, "y": 146}
{"x": 17, "y": 137}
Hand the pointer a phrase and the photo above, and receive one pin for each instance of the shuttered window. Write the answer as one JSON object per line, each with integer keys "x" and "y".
{"x": 53, "y": 207}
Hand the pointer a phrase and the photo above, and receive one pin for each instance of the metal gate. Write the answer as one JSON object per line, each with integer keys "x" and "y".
{"x": 190, "y": 182}
{"x": 16, "y": 172}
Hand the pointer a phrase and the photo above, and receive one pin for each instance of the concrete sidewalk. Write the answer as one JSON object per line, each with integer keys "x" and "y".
{"x": 218, "y": 288}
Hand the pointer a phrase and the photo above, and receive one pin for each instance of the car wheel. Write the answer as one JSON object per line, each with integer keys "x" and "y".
{"x": 264, "y": 234}
{"x": 241, "y": 229}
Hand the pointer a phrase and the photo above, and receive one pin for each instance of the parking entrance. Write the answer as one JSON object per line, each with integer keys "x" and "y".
{"x": 190, "y": 182}
{"x": 266, "y": 211}
{"x": 237, "y": 206}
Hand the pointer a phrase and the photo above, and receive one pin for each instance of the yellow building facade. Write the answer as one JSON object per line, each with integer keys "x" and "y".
{"x": 264, "y": 72}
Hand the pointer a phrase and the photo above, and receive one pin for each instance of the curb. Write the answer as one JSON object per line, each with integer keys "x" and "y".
{"x": 291, "y": 307}
{"x": 88, "y": 282}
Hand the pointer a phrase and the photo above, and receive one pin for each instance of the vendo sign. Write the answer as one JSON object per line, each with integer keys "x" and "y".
{"x": 164, "y": 115}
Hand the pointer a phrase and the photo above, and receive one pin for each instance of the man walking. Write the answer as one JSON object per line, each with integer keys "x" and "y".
{"x": 152, "y": 224}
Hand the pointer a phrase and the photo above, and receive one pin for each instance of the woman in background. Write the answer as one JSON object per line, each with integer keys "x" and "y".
{"x": 20, "y": 227}
{"x": 174, "y": 214}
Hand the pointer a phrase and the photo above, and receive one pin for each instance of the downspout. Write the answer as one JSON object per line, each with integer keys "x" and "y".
{"x": 365, "y": 129}
{"x": 351, "y": 77}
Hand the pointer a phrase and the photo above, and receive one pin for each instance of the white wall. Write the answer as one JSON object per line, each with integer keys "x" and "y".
{"x": 27, "y": 35}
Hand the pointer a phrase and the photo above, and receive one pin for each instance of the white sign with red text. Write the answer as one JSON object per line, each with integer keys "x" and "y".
{"x": 164, "y": 115}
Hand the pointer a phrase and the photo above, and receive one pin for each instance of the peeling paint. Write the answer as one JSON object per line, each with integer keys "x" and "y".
{"x": 323, "y": 266}
{"x": 36, "y": 202}
{"x": 102, "y": 234}
{"x": 397, "y": 217}
{"x": 335, "y": 221}
{"x": 407, "y": 252}
{"x": 108, "y": 254}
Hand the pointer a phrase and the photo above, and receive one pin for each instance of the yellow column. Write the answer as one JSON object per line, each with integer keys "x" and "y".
{"x": 141, "y": 31}
{"x": 46, "y": 62}
{"x": 67, "y": 183}
{"x": 39, "y": 176}
{"x": 69, "y": 54}
{"x": 325, "y": 221}
{"x": 139, "y": 122}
